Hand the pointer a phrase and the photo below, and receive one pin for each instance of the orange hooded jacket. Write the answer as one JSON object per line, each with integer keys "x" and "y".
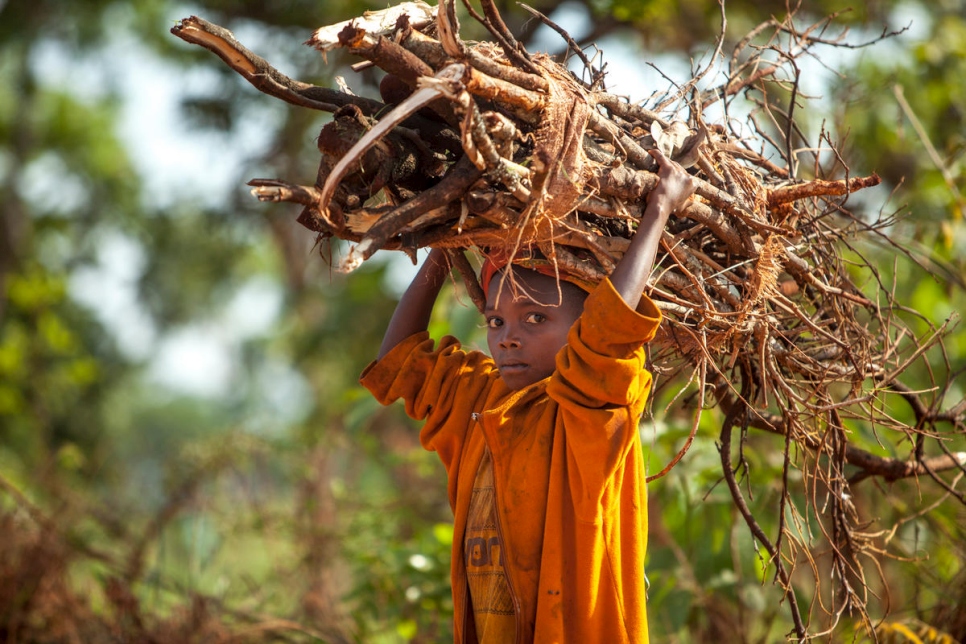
{"x": 567, "y": 466}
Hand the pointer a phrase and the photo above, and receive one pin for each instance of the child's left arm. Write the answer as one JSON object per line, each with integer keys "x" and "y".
{"x": 416, "y": 305}
{"x": 674, "y": 187}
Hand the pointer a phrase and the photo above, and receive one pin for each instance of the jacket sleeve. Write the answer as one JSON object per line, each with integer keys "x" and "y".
{"x": 442, "y": 385}
{"x": 603, "y": 362}
{"x": 601, "y": 385}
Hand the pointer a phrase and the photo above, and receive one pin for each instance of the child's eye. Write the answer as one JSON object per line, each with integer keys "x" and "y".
{"x": 535, "y": 318}
{"x": 492, "y": 323}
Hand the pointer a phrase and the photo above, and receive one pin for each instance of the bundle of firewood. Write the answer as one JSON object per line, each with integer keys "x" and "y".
{"x": 487, "y": 147}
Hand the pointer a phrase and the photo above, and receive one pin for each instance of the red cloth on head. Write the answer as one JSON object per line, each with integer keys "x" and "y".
{"x": 497, "y": 261}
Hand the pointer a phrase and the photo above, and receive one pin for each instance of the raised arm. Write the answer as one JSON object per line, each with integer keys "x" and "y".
{"x": 673, "y": 189}
{"x": 416, "y": 305}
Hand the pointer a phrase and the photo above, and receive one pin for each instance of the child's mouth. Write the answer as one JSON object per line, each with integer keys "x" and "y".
{"x": 514, "y": 367}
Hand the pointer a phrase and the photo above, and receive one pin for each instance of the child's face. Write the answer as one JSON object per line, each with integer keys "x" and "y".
{"x": 526, "y": 328}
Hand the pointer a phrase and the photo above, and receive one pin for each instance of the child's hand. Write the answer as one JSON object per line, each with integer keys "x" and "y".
{"x": 673, "y": 188}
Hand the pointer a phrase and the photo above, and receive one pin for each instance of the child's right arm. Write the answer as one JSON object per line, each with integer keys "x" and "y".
{"x": 416, "y": 305}
{"x": 439, "y": 382}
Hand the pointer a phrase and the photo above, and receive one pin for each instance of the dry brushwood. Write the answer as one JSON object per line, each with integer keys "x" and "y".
{"x": 485, "y": 146}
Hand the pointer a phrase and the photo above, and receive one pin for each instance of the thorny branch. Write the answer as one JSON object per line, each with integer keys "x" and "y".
{"x": 761, "y": 276}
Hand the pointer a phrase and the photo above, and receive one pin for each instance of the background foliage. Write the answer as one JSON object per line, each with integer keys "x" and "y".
{"x": 184, "y": 452}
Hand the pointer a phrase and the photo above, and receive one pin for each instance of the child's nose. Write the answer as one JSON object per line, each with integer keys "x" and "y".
{"x": 510, "y": 338}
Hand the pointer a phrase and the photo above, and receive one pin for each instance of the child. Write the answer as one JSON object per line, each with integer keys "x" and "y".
{"x": 540, "y": 441}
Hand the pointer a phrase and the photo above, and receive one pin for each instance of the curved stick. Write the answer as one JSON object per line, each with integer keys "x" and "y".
{"x": 419, "y": 99}
{"x": 462, "y": 265}
{"x": 702, "y": 377}
{"x": 740, "y": 406}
